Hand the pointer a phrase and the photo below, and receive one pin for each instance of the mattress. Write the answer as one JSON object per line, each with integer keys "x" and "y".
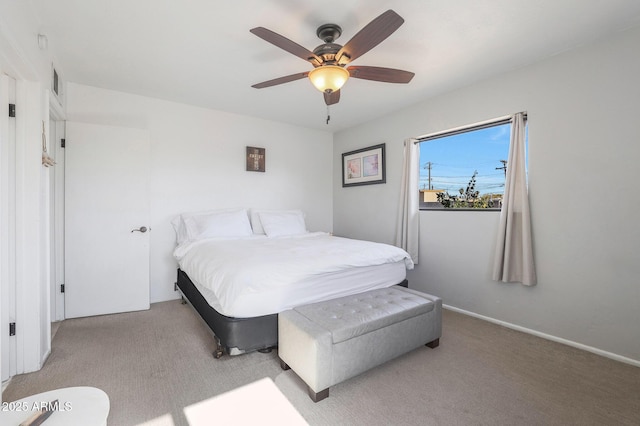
{"x": 249, "y": 277}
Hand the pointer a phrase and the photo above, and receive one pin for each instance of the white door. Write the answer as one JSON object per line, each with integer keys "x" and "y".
{"x": 7, "y": 227}
{"x": 106, "y": 220}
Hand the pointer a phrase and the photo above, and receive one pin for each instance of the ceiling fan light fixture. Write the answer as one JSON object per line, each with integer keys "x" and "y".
{"x": 328, "y": 78}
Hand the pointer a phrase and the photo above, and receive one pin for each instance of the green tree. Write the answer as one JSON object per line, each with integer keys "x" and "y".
{"x": 469, "y": 197}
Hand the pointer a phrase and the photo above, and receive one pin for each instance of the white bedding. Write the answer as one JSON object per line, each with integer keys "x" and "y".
{"x": 254, "y": 276}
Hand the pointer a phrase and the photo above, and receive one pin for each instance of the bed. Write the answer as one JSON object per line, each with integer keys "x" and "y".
{"x": 238, "y": 270}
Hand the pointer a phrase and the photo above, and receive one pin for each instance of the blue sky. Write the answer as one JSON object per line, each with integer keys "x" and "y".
{"x": 455, "y": 158}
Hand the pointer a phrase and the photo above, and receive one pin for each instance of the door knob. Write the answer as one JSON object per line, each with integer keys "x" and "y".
{"x": 142, "y": 229}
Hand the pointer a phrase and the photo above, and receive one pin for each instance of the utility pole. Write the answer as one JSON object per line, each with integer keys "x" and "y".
{"x": 428, "y": 167}
{"x": 504, "y": 167}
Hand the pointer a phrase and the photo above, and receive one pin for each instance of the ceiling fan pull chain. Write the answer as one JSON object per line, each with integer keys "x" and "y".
{"x": 328, "y": 116}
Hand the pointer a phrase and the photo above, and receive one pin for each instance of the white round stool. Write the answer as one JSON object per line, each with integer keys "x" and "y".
{"x": 81, "y": 405}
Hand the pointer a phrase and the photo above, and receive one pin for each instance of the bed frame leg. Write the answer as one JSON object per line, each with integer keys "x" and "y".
{"x": 433, "y": 344}
{"x": 217, "y": 354}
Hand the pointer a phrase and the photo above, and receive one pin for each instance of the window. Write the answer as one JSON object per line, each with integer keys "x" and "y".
{"x": 465, "y": 168}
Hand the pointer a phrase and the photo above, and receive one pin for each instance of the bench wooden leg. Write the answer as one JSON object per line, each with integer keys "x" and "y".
{"x": 433, "y": 344}
{"x": 284, "y": 365}
{"x": 319, "y": 396}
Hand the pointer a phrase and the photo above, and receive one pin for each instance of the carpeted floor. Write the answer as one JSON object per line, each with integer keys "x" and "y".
{"x": 154, "y": 363}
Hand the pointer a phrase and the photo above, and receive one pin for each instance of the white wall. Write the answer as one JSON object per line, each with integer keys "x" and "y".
{"x": 198, "y": 163}
{"x": 583, "y": 154}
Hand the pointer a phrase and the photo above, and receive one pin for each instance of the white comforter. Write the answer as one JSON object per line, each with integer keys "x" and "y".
{"x": 261, "y": 268}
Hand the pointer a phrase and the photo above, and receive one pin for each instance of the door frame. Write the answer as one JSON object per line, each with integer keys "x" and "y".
{"x": 56, "y": 211}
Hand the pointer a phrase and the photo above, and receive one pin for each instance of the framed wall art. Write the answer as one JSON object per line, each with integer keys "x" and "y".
{"x": 364, "y": 166}
{"x": 255, "y": 159}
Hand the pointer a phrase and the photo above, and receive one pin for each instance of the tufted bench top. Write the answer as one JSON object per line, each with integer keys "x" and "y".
{"x": 352, "y": 316}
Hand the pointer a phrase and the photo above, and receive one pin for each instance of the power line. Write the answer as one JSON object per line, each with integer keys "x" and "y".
{"x": 433, "y": 177}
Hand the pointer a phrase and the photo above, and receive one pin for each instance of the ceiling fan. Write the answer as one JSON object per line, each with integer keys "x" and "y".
{"x": 329, "y": 59}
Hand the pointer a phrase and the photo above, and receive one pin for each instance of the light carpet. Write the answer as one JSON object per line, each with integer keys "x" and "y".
{"x": 154, "y": 363}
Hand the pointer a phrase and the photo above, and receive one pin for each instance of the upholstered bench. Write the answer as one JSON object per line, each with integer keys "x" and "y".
{"x": 328, "y": 342}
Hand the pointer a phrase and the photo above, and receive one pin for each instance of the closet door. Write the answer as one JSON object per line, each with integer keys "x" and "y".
{"x": 8, "y": 365}
{"x": 106, "y": 220}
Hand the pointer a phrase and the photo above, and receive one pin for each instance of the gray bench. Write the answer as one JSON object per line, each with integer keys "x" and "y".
{"x": 328, "y": 342}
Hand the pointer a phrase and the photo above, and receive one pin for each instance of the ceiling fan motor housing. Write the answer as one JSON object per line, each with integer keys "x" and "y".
{"x": 327, "y": 52}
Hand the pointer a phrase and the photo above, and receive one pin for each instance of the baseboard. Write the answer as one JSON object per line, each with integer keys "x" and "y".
{"x": 591, "y": 349}
{"x": 44, "y": 358}
{"x": 5, "y": 384}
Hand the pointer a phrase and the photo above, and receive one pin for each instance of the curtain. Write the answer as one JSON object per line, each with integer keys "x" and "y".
{"x": 514, "y": 248}
{"x": 407, "y": 229}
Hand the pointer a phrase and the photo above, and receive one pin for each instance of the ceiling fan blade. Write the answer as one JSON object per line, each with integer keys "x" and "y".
{"x": 387, "y": 75}
{"x": 281, "y": 80}
{"x": 369, "y": 36}
{"x": 332, "y": 98}
{"x": 288, "y": 45}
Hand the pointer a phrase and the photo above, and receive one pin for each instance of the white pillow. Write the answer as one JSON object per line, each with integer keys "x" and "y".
{"x": 282, "y": 223}
{"x": 234, "y": 223}
{"x": 256, "y": 223}
{"x": 211, "y": 223}
{"x": 181, "y": 231}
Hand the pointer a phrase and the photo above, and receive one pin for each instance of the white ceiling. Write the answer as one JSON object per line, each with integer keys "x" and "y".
{"x": 201, "y": 52}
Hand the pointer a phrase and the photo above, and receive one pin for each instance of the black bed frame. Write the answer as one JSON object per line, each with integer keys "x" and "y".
{"x": 234, "y": 336}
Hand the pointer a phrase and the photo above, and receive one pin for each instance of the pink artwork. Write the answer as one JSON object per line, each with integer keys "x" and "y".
{"x": 353, "y": 168}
